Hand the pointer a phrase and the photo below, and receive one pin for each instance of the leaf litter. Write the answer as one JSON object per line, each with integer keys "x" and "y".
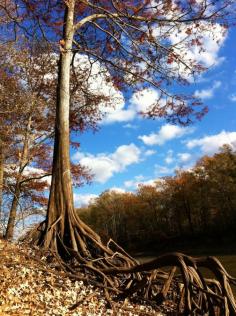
{"x": 31, "y": 286}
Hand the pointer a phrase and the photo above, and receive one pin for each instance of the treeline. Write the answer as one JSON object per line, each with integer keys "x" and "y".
{"x": 197, "y": 202}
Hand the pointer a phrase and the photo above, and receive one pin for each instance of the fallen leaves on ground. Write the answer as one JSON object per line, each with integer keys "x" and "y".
{"x": 30, "y": 286}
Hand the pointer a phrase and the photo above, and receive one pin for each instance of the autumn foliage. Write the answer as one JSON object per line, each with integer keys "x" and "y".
{"x": 191, "y": 205}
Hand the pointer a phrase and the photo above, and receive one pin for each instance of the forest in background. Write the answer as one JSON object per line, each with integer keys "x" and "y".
{"x": 197, "y": 204}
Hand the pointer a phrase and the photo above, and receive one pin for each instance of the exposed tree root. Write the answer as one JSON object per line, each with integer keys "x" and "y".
{"x": 114, "y": 270}
{"x": 195, "y": 294}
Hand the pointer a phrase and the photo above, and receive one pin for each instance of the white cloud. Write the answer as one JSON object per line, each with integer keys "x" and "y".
{"x": 117, "y": 190}
{"x": 131, "y": 184}
{"x": 151, "y": 182}
{"x": 126, "y": 155}
{"x": 149, "y": 152}
{"x": 208, "y": 93}
{"x": 137, "y": 181}
{"x": 142, "y": 100}
{"x": 98, "y": 81}
{"x": 184, "y": 157}
{"x": 103, "y": 166}
{"x": 131, "y": 126}
{"x": 30, "y": 171}
{"x": 83, "y": 199}
{"x": 210, "y": 144}
{"x": 166, "y": 133}
{"x": 119, "y": 114}
{"x": 139, "y": 102}
{"x": 163, "y": 170}
{"x": 213, "y": 37}
{"x": 169, "y": 158}
{"x": 205, "y": 51}
{"x": 232, "y": 97}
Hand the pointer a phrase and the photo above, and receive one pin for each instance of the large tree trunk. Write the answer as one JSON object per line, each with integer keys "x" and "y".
{"x": 61, "y": 195}
{"x": 63, "y": 227}
{"x": 64, "y": 233}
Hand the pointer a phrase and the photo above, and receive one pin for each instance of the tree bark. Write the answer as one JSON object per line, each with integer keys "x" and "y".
{"x": 64, "y": 233}
{"x": 61, "y": 194}
{"x": 188, "y": 212}
{"x": 24, "y": 160}
{"x": 13, "y": 212}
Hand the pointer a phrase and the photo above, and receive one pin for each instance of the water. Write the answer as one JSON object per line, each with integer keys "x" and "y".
{"x": 228, "y": 262}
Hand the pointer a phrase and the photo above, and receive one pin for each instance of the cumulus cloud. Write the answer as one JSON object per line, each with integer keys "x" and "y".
{"x": 207, "y": 54}
{"x": 98, "y": 81}
{"x": 166, "y": 133}
{"x": 210, "y": 144}
{"x": 134, "y": 182}
{"x": 104, "y": 166}
{"x": 208, "y": 93}
{"x": 137, "y": 181}
{"x": 139, "y": 102}
{"x": 126, "y": 155}
{"x": 83, "y": 199}
{"x": 212, "y": 38}
{"x": 161, "y": 171}
{"x": 119, "y": 114}
{"x": 30, "y": 171}
{"x": 151, "y": 182}
{"x": 142, "y": 100}
{"x": 117, "y": 190}
{"x": 232, "y": 97}
{"x": 196, "y": 44}
{"x": 212, "y": 41}
{"x": 149, "y": 152}
{"x": 169, "y": 157}
{"x": 184, "y": 157}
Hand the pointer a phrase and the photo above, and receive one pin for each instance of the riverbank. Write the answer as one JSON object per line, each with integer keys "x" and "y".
{"x": 191, "y": 245}
{"x": 224, "y": 250}
{"x": 30, "y": 286}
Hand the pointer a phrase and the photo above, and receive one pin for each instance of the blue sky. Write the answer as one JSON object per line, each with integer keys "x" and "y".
{"x": 128, "y": 149}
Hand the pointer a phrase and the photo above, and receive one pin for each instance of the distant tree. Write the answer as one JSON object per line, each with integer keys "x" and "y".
{"x": 219, "y": 172}
{"x": 150, "y": 199}
{"x": 197, "y": 202}
{"x": 115, "y": 214}
{"x": 30, "y": 120}
{"x": 9, "y": 103}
